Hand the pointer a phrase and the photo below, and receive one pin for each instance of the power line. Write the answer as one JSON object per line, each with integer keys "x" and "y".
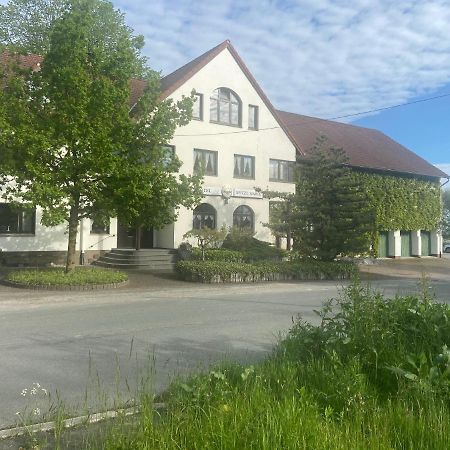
{"x": 318, "y": 119}
{"x": 392, "y": 107}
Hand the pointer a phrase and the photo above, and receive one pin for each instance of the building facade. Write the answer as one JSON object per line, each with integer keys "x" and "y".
{"x": 242, "y": 145}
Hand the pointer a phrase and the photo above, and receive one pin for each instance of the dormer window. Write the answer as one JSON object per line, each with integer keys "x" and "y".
{"x": 225, "y": 107}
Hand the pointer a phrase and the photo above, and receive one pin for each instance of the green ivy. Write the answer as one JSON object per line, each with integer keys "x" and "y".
{"x": 402, "y": 203}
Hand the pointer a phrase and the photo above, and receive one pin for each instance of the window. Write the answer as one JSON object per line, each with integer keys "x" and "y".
{"x": 281, "y": 170}
{"x": 252, "y": 117}
{"x": 244, "y": 166}
{"x": 204, "y": 217}
{"x": 243, "y": 218}
{"x": 197, "y": 109}
{"x": 206, "y": 161}
{"x": 16, "y": 220}
{"x": 98, "y": 227}
{"x": 168, "y": 154}
{"x": 225, "y": 107}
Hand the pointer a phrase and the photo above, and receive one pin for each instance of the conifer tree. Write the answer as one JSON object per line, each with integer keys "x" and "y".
{"x": 331, "y": 217}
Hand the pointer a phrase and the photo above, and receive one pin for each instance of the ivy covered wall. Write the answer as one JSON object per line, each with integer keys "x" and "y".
{"x": 402, "y": 203}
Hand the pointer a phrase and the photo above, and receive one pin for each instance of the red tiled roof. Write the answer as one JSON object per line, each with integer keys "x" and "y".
{"x": 365, "y": 147}
{"x": 174, "y": 80}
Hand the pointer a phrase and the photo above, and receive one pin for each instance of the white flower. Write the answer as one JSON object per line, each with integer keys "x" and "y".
{"x": 36, "y": 411}
{"x": 18, "y": 413}
{"x": 33, "y": 391}
{"x": 24, "y": 392}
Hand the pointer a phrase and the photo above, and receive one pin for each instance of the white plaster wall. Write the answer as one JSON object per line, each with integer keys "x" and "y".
{"x": 223, "y": 71}
{"x": 55, "y": 238}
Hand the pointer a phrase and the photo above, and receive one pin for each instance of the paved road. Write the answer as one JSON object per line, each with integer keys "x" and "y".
{"x": 68, "y": 342}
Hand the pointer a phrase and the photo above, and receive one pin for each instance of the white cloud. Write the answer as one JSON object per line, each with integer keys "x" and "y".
{"x": 319, "y": 57}
{"x": 324, "y": 58}
{"x": 445, "y": 168}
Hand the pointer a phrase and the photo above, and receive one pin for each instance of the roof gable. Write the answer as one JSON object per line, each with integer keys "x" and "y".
{"x": 174, "y": 80}
{"x": 365, "y": 147}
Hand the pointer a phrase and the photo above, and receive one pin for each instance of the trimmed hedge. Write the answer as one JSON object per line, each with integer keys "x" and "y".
{"x": 235, "y": 272}
{"x": 80, "y": 276}
{"x": 248, "y": 256}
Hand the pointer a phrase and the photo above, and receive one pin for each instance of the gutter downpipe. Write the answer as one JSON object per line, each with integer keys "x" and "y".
{"x": 81, "y": 243}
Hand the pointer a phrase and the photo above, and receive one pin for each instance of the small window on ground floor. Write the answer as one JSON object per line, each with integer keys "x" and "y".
{"x": 244, "y": 218}
{"x": 16, "y": 219}
{"x": 204, "y": 217}
{"x": 98, "y": 227}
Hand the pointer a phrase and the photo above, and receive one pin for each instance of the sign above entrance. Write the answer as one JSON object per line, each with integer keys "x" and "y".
{"x": 212, "y": 190}
{"x": 248, "y": 193}
{"x": 228, "y": 192}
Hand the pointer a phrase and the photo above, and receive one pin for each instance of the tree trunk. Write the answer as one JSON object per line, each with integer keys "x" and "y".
{"x": 138, "y": 238}
{"x": 73, "y": 231}
{"x": 288, "y": 240}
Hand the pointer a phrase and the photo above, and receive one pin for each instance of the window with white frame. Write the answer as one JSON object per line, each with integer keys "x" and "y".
{"x": 197, "y": 108}
{"x": 99, "y": 227}
{"x": 16, "y": 219}
{"x": 280, "y": 170}
{"x": 225, "y": 107}
{"x": 168, "y": 154}
{"x": 204, "y": 216}
{"x": 244, "y": 218}
{"x": 252, "y": 117}
{"x": 244, "y": 166}
{"x": 205, "y": 161}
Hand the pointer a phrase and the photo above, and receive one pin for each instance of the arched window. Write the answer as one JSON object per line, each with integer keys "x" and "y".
{"x": 243, "y": 218}
{"x": 204, "y": 217}
{"x": 225, "y": 107}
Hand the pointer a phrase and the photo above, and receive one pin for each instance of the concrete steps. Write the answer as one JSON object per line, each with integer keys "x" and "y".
{"x": 155, "y": 259}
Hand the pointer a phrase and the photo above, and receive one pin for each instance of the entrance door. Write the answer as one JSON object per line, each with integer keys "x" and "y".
{"x": 406, "y": 243}
{"x": 383, "y": 245}
{"x": 425, "y": 236}
{"x": 126, "y": 237}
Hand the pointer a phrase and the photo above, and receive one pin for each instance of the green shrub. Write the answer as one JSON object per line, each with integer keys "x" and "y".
{"x": 219, "y": 255}
{"x": 211, "y": 271}
{"x": 388, "y": 336}
{"x": 254, "y": 249}
{"x": 56, "y": 277}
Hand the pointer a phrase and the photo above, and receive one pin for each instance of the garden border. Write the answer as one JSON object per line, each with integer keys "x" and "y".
{"x": 65, "y": 287}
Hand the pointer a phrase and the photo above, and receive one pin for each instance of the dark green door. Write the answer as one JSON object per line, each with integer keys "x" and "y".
{"x": 406, "y": 243}
{"x": 425, "y": 237}
{"x": 383, "y": 245}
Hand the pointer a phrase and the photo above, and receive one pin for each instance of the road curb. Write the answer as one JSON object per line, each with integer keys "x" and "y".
{"x": 73, "y": 422}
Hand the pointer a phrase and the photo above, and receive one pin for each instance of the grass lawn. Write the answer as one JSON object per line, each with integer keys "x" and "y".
{"x": 374, "y": 375}
{"x": 80, "y": 276}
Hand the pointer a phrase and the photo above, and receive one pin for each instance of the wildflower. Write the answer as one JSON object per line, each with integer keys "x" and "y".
{"x": 24, "y": 392}
{"x": 18, "y": 413}
{"x": 225, "y": 408}
{"x": 36, "y": 411}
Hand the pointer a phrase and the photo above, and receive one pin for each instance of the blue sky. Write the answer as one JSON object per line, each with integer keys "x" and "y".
{"x": 323, "y": 58}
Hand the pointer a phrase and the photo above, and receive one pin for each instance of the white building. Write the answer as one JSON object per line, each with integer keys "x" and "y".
{"x": 244, "y": 145}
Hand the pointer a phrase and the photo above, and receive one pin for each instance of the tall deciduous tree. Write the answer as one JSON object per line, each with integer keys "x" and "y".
{"x": 331, "y": 216}
{"x": 26, "y": 26}
{"x": 78, "y": 150}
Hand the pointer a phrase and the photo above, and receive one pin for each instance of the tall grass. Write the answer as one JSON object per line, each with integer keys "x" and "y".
{"x": 373, "y": 375}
